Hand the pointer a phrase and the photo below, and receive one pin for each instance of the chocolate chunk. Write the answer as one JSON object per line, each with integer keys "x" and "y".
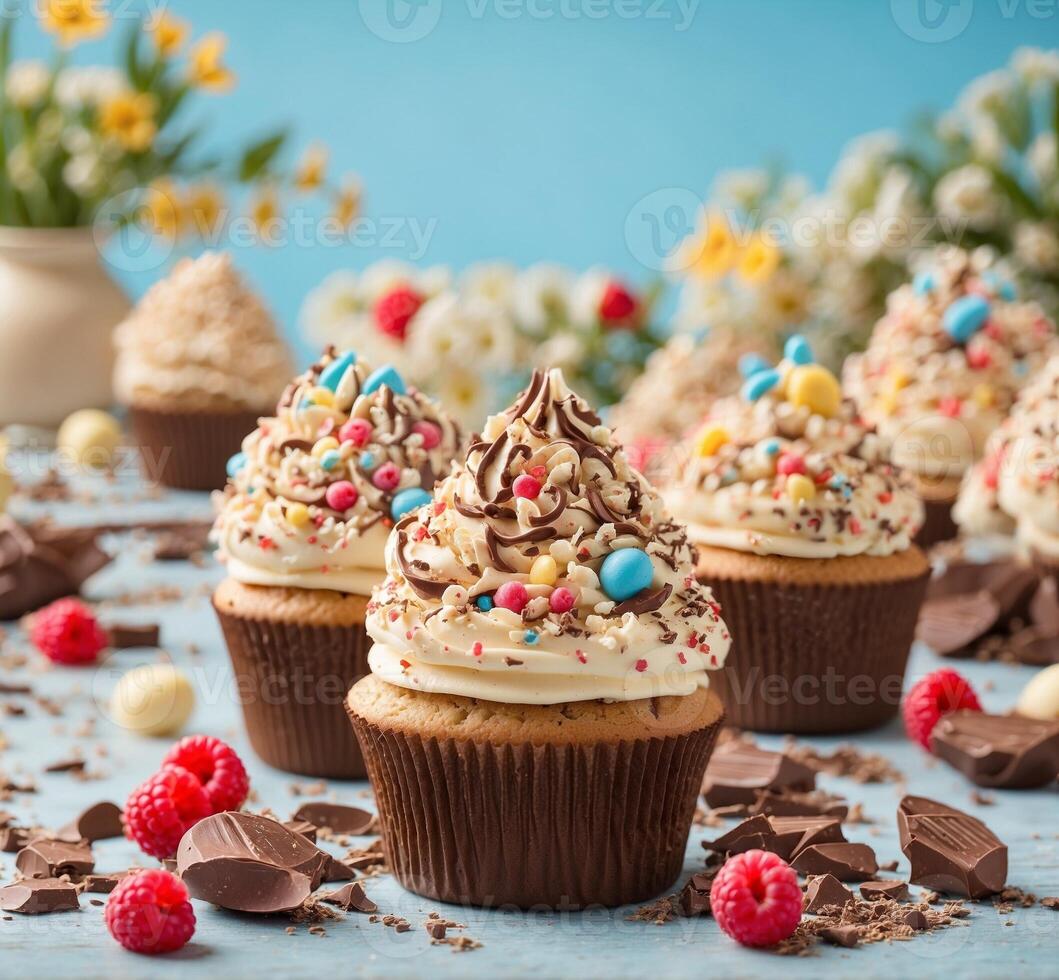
{"x": 336, "y": 870}
{"x": 1006, "y": 751}
{"x": 350, "y": 898}
{"x": 914, "y": 918}
{"x": 249, "y": 863}
{"x": 738, "y": 770}
{"x": 181, "y": 542}
{"x": 848, "y": 936}
{"x": 66, "y": 765}
{"x": 303, "y": 827}
{"x": 949, "y": 850}
{"x": 873, "y": 891}
{"x": 791, "y": 803}
{"x": 1033, "y": 646}
{"x": 101, "y": 821}
{"x": 1044, "y": 607}
{"x": 337, "y": 817}
{"x": 847, "y": 862}
{"x": 952, "y": 624}
{"x": 753, "y": 833}
{"x": 39, "y": 896}
{"x": 823, "y": 891}
{"x": 13, "y": 839}
{"x": 695, "y": 895}
{"x": 793, "y": 834}
{"x": 126, "y": 636}
{"x": 44, "y": 858}
{"x": 103, "y": 884}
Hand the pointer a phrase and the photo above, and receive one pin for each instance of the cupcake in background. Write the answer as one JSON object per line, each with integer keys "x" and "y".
{"x": 804, "y": 531}
{"x": 942, "y": 369}
{"x": 539, "y": 713}
{"x": 199, "y": 360}
{"x": 302, "y": 531}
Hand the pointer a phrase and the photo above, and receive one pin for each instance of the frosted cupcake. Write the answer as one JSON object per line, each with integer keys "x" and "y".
{"x": 804, "y": 531}
{"x": 199, "y": 360}
{"x": 941, "y": 371}
{"x": 539, "y": 713}
{"x": 302, "y": 531}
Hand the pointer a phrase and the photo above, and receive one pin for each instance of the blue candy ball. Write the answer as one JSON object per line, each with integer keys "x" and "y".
{"x": 963, "y": 318}
{"x": 484, "y": 602}
{"x": 332, "y": 375}
{"x": 330, "y": 459}
{"x": 235, "y": 464}
{"x": 626, "y": 573}
{"x": 1004, "y": 288}
{"x": 751, "y": 364}
{"x": 408, "y": 500}
{"x": 797, "y": 349}
{"x": 923, "y": 283}
{"x": 386, "y": 375}
{"x": 760, "y": 384}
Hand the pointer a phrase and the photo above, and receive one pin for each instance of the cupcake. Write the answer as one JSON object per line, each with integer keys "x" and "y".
{"x": 199, "y": 360}
{"x": 539, "y": 716}
{"x": 804, "y": 531}
{"x": 302, "y": 532}
{"x": 941, "y": 371}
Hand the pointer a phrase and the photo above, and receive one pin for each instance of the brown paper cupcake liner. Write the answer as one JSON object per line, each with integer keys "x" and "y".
{"x": 292, "y": 680}
{"x": 535, "y": 826}
{"x": 815, "y": 658}
{"x": 938, "y": 523}
{"x": 189, "y": 450}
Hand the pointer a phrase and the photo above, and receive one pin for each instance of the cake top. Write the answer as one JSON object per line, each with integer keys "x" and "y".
{"x": 546, "y": 570}
{"x": 201, "y": 340}
{"x": 945, "y": 362}
{"x": 316, "y": 487}
{"x": 787, "y": 468}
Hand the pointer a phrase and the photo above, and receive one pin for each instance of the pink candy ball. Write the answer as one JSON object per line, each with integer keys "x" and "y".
{"x": 790, "y": 463}
{"x": 561, "y": 600}
{"x": 356, "y": 431}
{"x": 342, "y": 495}
{"x": 511, "y": 595}
{"x": 430, "y": 432}
{"x": 526, "y": 486}
{"x": 387, "y": 476}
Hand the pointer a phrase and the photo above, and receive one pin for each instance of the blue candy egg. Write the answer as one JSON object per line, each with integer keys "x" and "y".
{"x": 963, "y": 318}
{"x": 330, "y": 459}
{"x": 760, "y": 384}
{"x": 235, "y": 464}
{"x": 1004, "y": 288}
{"x": 923, "y": 283}
{"x": 626, "y": 573}
{"x": 797, "y": 349}
{"x": 367, "y": 461}
{"x": 332, "y": 375}
{"x": 751, "y": 364}
{"x": 484, "y": 602}
{"x": 408, "y": 500}
{"x": 386, "y": 375}
{"x": 770, "y": 447}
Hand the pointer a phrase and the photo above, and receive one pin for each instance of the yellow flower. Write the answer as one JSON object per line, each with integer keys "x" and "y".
{"x": 264, "y": 212}
{"x": 163, "y": 210}
{"x": 759, "y": 260}
{"x": 74, "y": 20}
{"x": 204, "y": 206}
{"x": 312, "y": 170}
{"x": 129, "y": 119}
{"x": 206, "y": 69}
{"x": 169, "y": 34}
{"x": 711, "y": 252}
{"x": 347, "y": 202}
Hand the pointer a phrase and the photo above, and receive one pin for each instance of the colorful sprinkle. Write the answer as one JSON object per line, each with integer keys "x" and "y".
{"x": 923, "y": 283}
{"x": 626, "y": 573}
{"x": 790, "y": 463}
{"x": 332, "y": 375}
{"x": 641, "y": 665}
{"x": 386, "y": 375}
{"x": 770, "y": 446}
{"x": 761, "y": 383}
{"x": 235, "y": 464}
{"x": 530, "y": 637}
{"x": 330, "y": 459}
{"x": 964, "y": 317}
{"x": 484, "y": 602}
{"x": 561, "y": 600}
{"x": 341, "y": 496}
{"x": 356, "y": 431}
{"x": 526, "y": 486}
{"x": 408, "y": 500}
{"x": 512, "y": 596}
{"x": 797, "y": 350}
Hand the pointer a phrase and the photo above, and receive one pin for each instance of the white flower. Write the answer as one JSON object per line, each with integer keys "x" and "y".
{"x": 987, "y": 139}
{"x": 87, "y": 87}
{"x": 949, "y": 127}
{"x": 563, "y": 350}
{"x": 967, "y": 195}
{"x": 26, "y": 83}
{"x": 452, "y": 330}
{"x": 743, "y": 188}
{"x": 380, "y": 277}
{"x": 1035, "y": 66}
{"x": 492, "y": 281}
{"x": 587, "y": 295}
{"x": 792, "y": 193}
{"x": 1043, "y": 159}
{"x": 856, "y": 176}
{"x": 1037, "y": 246}
{"x": 541, "y": 297}
{"x": 84, "y": 173}
{"x": 77, "y": 139}
{"x": 703, "y": 304}
{"x": 466, "y": 395}
{"x": 330, "y": 310}
{"x": 992, "y": 95}
{"x": 22, "y": 168}
{"x": 897, "y": 207}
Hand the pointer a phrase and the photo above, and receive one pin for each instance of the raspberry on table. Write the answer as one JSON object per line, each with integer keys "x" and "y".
{"x": 217, "y": 767}
{"x": 755, "y": 898}
{"x": 935, "y": 695}
{"x": 67, "y": 632}
{"x": 158, "y": 813}
{"x": 149, "y": 912}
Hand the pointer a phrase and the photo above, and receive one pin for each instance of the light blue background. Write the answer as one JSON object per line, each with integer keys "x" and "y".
{"x": 529, "y": 137}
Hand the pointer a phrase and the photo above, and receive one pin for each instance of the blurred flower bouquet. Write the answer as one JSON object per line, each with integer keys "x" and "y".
{"x": 473, "y": 339}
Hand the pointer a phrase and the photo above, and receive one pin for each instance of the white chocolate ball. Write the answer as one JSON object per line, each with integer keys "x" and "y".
{"x": 1040, "y": 697}
{"x": 90, "y": 437}
{"x": 155, "y": 699}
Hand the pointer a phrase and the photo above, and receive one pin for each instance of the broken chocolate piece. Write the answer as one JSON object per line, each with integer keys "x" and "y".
{"x": 39, "y": 896}
{"x": 303, "y": 827}
{"x": 848, "y": 936}
{"x": 13, "y": 839}
{"x": 753, "y": 833}
{"x": 949, "y": 850}
{"x": 793, "y": 834}
{"x": 915, "y": 919}
{"x": 824, "y": 891}
{"x": 103, "y": 884}
{"x": 127, "y": 636}
{"x": 738, "y": 770}
{"x": 695, "y": 895}
{"x": 350, "y": 898}
{"x": 847, "y": 861}
{"x": 874, "y": 891}
{"x": 1005, "y": 751}
{"x": 337, "y": 817}
{"x": 791, "y": 803}
{"x": 950, "y": 625}
{"x": 101, "y": 821}
{"x": 43, "y": 858}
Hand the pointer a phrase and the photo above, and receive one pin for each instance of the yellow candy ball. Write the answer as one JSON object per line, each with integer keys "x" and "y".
{"x": 984, "y": 395}
{"x": 710, "y": 439}
{"x": 544, "y": 571}
{"x": 298, "y": 514}
{"x": 800, "y": 488}
{"x": 815, "y": 388}
{"x": 90, "y": 437}
{"x": 322, "y": 396}
{"x": 156, "y": 699}
{"x": 323, "y": 445}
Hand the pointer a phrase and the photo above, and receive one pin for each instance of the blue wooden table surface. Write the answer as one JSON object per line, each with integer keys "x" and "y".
{"x": 1024, "y": 943}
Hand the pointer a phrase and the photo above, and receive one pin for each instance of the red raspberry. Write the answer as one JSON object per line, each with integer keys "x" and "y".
{"x": 756, "y": 899}
{"x": 618, "y": 307}
{"x": 160, "y": 812}
{"x": 935, "y": 695}
{"x": 149, "y": 912}
{"x": 394, "y": 310}
{"x": 217, "y": 767}
{"x": 67, "y": 632}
